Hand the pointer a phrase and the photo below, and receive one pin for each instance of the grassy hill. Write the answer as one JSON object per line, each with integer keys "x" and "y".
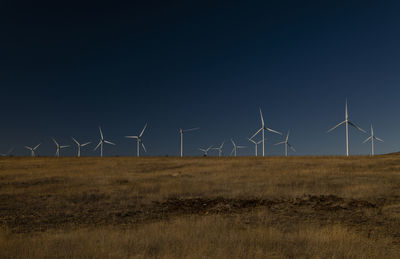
{"x": 200, "y": 207}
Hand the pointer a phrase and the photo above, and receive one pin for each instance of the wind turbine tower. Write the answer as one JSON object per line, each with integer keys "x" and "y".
{"x": 102, "y": 141}
{"x": 347, "y": 122}
{"x": 262, "y": 129}
{"x": 139, "y": 141}
{"x": 219, "y": 149}
{"x": 372, "y": 138}
{"x": 287, "y": 144}
{"x": 58, "y": 148}
{"x": 255, "y": 145}
{"x": 181, "y": 131}
{"x": 235, "y": 148}
{"x": 80, "y": 145}
{"x": 32, "y": 149}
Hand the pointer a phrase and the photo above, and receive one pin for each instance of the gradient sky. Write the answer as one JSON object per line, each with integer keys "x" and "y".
{"x": 68, "y": 67}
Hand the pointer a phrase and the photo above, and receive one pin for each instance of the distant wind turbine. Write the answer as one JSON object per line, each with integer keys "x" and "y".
{"x": 347, "y": 122}
{"x": 235, "y": 148}
{"x": 58, "y": 148}
{"x": 102, "y": 141}
{"x": 205, "y": 151}
{"x": 219, "y": 149}
{"x": 181, "y": 131}
{"x": 287, "y": 144}
{"x": 372, "y": 138}
{"x": 32, "y": 149}
{"x": 8, "y": 153}
{"x": 255, "y": 145}
{"x": 139, "y": 141}
{"x": 262, "y": 129}
{"x": 80, "y": 145}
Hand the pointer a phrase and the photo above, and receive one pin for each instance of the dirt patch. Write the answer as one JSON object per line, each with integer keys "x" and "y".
{"x": 93, "y": 209}
{"x": 35, "y": 182}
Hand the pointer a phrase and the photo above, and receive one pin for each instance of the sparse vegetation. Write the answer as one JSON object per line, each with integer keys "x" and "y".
{"x": 247, "y": 207}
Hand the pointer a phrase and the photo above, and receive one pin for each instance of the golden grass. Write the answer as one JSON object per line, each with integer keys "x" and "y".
{"x": 296, "y": 207}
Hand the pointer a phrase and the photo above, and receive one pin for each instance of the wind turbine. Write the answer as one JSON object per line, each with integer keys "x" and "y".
{"x": 80, "y": 145}
{"x": 347, "y": 122}
{"x": 372, "y": 137}
{"x": 219, "y": 149}
{"x": 262, "y": 129}
{"x": 33, "y": 149}
{"x": 287, "y": 144}
{"x": 181, "y": 131}
{"x": 102, "y": 141}
{"x": 139, "y": 141}
{"x": 58, "y": 148}
{"x": 205, "y": 151}
{"x": 8, "y": 153}
{"x": 235, "y": 148}
{"x": 255, "y": 145}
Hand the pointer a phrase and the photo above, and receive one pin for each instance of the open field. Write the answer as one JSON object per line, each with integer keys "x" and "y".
{"x": 247, "y": 207}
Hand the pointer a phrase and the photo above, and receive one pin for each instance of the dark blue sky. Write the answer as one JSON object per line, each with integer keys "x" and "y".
{"x": 67, "y": 68}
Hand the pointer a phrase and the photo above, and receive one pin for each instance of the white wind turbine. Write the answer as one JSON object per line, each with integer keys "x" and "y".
{"x": 8, "y": 153}
{"x": 219, "y": 149}
{"x": 347, "y": 122}
{"x": 205, "y": 151}
{"x": 235, "y": 148}
{"x": 33, "y": 149}
{"x": 372, "y": 138}
{"x": 80, "y": 145}
{"x": 102, "y": 141}
{"x": 287, "y": 144}
{"x": 262, "y": 129}
{"x": 139, "y": 141}
{"x": 255, "y": 145}
{"x": 58, "y": 148}
{"x": 181, "y": 131}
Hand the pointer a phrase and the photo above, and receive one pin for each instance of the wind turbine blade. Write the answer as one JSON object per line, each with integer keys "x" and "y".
{"x": 55, "y": 142}
{"x": 97, "y": 145}
{"x": 292, "y": 148}
{"x": 378, "y": 139}
{"x": 335, "y": 126}
{"x": 255, "y": 134}
{"x": 280, "y": 143}
{"x": 85, "y": 144}
{"x": 186, "y": 130}
{"x": 241, "y": 146}
{"x": 274, "y": 131}
{"x": 259, "y": 142}
{"x": 28, "y": 147}
{"x": 233, "y": 150}
{"x": 101, "y": 133}
{"x": 75, "y": 141}
{"x": 135, "y": 137}
{"x": 202, "y": 149}
{"x": 144, "y": 148}
{"x": 367, "y": 139}
{"x": 355, "y": 126}
{"x": 108, "y": 142}
{"x": 141, "y": 133}
{"x": 287, "y": 136}
{"x": 37, "y": 146}
{"x": 249, "y": 139}
{"x": 262, "y": 118}
{"x": 64, "y": 146}
{"x": 233, "y": 143}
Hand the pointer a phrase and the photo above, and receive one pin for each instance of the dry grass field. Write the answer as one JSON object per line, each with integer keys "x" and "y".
{"x": 245, "y": 207}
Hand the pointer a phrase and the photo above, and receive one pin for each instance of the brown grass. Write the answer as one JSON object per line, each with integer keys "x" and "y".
{"x": 303, "y": 207}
